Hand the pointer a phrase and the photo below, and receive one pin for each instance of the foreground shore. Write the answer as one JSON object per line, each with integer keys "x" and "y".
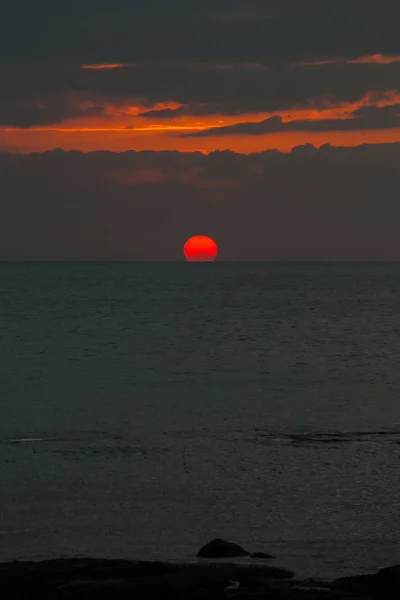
{"x": 98, "y": 579}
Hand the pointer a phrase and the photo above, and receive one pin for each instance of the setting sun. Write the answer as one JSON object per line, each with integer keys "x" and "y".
{"x": 200, "y": 248}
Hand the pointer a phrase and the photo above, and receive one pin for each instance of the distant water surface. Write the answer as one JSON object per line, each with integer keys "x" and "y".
{"x": 146, "y": 408}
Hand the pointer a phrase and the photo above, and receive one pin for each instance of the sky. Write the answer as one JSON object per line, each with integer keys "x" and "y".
{"x": 128, "y": 126}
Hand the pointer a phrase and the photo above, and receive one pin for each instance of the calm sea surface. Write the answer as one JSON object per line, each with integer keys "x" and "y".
{"x": 147, "y": 408}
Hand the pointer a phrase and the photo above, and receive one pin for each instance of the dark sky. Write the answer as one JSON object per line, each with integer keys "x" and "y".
{"x": 273, "y": 126}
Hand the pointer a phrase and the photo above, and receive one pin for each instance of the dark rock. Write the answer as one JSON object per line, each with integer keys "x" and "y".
{"x": 385, "y": 584}
{"x": 166, "y": 586}
{"x": 261, "y": 555}
{"x": 390, "y": 575}
{"x": 356, "y": 583}
{"x": 104, "y": 590}
{"x": 218, "y": 548}
{"x": 255, "y": 577}
{"x": 97, "y": 579}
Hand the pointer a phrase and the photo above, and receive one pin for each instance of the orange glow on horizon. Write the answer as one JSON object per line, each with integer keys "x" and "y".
{"x": 376, "y": 59}
{"x": 372, "y": 59}
{"x": 26, "y": 141}
{"x": 128, "y": 118}
{"x": 238, "y": 66}
{"x": 121, "y": 128}
{"x": 200, "y": 248}
{"x": 106, "y": 66}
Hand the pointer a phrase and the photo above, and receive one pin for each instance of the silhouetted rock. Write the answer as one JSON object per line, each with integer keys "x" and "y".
{"x": 98, "y": 579}
{"x": 390, "y": 575}
{"x": 261, "y": 555}
{"x": 163, "y": 586}
{"x": 356, "y": 583}
{"x": 383, "y": 585}
{"x": 218, "y": 548}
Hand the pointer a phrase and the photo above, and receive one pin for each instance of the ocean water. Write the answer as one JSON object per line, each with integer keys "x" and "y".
{"x": 146, "y": 408}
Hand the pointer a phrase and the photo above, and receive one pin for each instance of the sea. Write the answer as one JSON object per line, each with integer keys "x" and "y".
{"x": 147, "y": 408}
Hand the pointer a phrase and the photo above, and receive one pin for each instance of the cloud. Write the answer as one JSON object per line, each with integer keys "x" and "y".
{"x": 331, "y": 203}
{"x": 51, "y": 110}
{"x": 210, "y": 58}
{"x": 40, "y": 95}
{"x": 366, "y": 118}
{"x": 226, "y": 31}
{"x": 166, "y": 113}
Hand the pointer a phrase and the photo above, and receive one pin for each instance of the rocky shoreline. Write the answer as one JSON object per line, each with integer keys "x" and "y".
{"x": 103, "y": 579}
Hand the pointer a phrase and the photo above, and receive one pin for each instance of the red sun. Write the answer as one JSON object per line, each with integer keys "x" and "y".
{"x": 200, "y": 248}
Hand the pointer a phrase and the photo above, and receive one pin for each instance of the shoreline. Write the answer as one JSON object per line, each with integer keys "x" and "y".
{"x": 85, "y": 578}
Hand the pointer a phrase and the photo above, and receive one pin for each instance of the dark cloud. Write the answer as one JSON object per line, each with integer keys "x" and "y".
{"x": 176, "y": 50}
{"x": 363, "y": 119}
{"x": 33, "y": 111}
{"x": 206, "y": 89}
{"x": 270, "y": 31}
{"x": 332, "y": 203}
{"x": 173, "y": 113}
{"x": 202, "y": 90}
